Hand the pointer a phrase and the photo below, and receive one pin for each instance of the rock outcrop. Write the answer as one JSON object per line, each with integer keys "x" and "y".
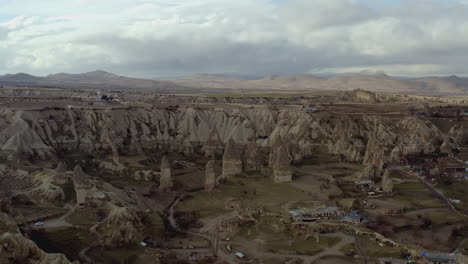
{"x": 232, "y": 162}
{"x": 165, "y": 182}
{"x": 458, "y": 134}
{"x": 210, "y": 176}
{"x": 122, "y": 227}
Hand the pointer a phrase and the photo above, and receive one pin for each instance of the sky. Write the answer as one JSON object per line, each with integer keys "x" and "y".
{"x": 169, "y": 38}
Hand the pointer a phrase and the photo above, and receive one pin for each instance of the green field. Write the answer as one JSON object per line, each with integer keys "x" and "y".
{"x": 415, "y": 196}
{"x": 69, "y": 241}
{"x": 277, "y": 237}
{"x": 117, "y": 256}
{"x": 252, "y": 193}
{"x": 285, "y": 95}
{"x": 85, "y": 217}
{"x": 373, "y": 249}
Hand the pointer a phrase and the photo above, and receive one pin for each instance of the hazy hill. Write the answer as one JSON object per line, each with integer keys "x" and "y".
{"x": 90, "y": 80}
{"x": 451, "y": 85}
{"x": 369, "y": 82}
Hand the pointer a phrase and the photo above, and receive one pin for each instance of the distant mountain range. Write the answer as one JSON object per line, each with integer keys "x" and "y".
{"x": 451, "y": 85}
{"x": 369, "y": 82}
{"x": 90, "y": 80}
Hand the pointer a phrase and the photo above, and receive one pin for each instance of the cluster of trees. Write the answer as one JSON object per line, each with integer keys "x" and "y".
{"x": 107, "y": 98}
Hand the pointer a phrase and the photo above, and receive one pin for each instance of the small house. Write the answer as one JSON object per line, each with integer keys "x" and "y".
{"x": 392, "y": 261}
{"x": 439, "y": 258}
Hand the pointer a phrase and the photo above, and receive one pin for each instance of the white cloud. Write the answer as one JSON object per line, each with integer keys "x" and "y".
{"x": 177, "y": 37}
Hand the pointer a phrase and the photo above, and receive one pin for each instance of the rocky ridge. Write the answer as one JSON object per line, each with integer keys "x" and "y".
{"x": 372, "y": 140}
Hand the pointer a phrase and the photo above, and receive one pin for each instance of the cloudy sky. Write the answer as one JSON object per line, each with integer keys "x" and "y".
{"x": 160, "y": 38}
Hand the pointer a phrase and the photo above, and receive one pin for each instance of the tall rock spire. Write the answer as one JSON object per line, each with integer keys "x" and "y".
{"x": 166, "y": 177}
{"x": 232, "y": 162}
{"x": 282, "y": 171}
{"x": 210, "y": 176}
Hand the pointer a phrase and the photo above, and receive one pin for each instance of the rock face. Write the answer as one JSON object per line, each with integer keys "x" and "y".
{"x": 165, "y": 183}
{"x": 359, "y": 95}
{"x": 22, "y": 141}
{"x": 14, "y": 249}
{"x": 282, "y": 171}
{"x": 387, "y": 182}
{"x": 232, "y": 162}
{"x": 210, "y": 176}
{"x": 458, "y": 134}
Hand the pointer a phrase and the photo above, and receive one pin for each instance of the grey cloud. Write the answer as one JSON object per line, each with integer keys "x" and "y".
{"x": 244, "y": 37}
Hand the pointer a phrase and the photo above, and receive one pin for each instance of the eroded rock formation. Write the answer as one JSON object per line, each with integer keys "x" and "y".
{"x": 282, "y": 170}
{"x": 210, "y": 176}
{"x": 82, "y": 185}
{"x": 387, "y": 182}
{"x": 369, "y": 139}
{"x": 232, "y": 162}
{"x": 165, "y": 183}
{"x": 122, "y": 227}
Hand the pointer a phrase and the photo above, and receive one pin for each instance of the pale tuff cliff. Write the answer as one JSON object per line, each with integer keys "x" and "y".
{"x": 368, "y": 139}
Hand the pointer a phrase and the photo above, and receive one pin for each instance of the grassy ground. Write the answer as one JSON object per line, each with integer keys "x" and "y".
{"x": 373, "y": 249}
{"x": 157, "y": 225}
{"x": 305, "y": 247}
{"x": 285, "y": 95}
{"x": 273, "y": 236}
{"x": 253, "y": 193}
{"x": 414, "y": 195}
{"x": 85, "y": 217}
{"x": 133, "y": 161}
{"x": 336, "y": 260}
{"x": 456, "y": 190}
{"x": 440, "y": 217}
{"x": 68, "y": 241}
{"x": 117, "y": 256}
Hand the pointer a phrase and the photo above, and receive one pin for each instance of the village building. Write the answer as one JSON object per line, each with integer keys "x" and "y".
{"x": 305, "y": 216}
{"x": 354, "y": 217}
{"x": 439, "y": 258}
{"x": 366, "y": 185}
